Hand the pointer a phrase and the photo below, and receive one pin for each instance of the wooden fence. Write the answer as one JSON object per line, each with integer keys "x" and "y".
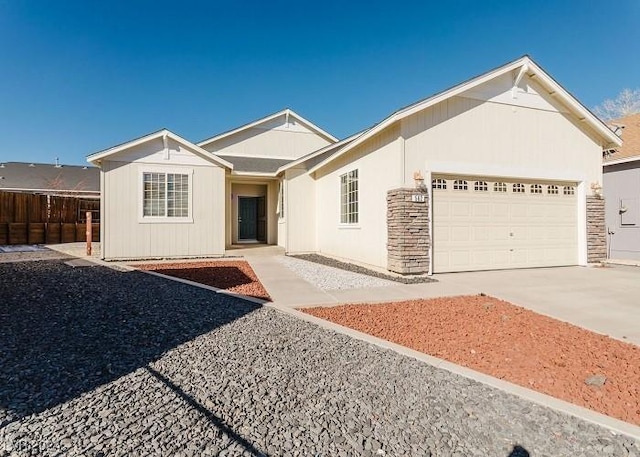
{"x": 36, "y": 219}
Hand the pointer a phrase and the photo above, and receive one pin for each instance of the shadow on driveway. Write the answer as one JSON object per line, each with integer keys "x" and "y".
{"x": 65, "y": 331}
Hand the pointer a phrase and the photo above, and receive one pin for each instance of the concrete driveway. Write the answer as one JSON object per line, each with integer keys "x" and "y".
{"x": 606, "y": 300}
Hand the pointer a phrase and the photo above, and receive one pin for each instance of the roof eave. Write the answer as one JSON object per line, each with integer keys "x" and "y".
{"x": 611, "y": 139}
{"x": 268, "y": 118}
{"x": 96, "y": 158}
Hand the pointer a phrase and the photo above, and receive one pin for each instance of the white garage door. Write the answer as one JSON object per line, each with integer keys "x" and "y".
{"x": 490, "y": 223}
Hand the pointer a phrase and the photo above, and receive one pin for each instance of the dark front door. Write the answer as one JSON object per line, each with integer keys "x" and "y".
{"x": 247, "y": 218}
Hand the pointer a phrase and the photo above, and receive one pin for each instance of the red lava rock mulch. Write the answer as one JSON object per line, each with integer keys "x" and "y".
{"x": 233, "y": 275}
{"x": 510, "y": 343}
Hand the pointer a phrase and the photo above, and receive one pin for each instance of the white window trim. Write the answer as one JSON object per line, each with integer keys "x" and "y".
{"x": 348, "y": 225}
{"x": 280, "y": 207}
{"x": 142, "y": 219}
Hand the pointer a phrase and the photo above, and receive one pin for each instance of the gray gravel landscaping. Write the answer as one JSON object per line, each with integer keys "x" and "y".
{"x": 328, "y": 261}
{"x": 98, "y": 362}
{"x": 330, "y": 278}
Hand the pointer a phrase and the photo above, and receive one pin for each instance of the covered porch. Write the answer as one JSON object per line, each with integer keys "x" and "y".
{"x": 251, "y": 211}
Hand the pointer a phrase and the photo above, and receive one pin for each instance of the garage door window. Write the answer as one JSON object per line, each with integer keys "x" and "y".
{"x": 460, "y": 184}
{"x": 569, "y": 190}
{"x": 499, "y": 187}
{"x": 552, "y": 190}
{"x": 480, "y": 186}
{"x": 518, "y": 188}
{"x": 536, "y": 189}
{"x": 439, "y": 184}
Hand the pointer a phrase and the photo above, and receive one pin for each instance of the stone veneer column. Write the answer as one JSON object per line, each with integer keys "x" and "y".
{"x": 596, "y": 232}
{"x": 408, "y": 231}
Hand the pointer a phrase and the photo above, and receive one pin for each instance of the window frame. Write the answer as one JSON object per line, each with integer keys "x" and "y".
{"x": 500, "y": 187}
{"x": 281, "y": 198}
{"x": 481, "y": 186}
{"x": 461, "y": 185}
{"x": 344, "y": 218}
{"x": 165, "y": 219}
{"x": 439, "y": 184}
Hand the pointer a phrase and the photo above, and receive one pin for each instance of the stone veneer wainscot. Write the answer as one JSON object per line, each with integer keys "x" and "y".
{"x": 596, "y": 231}
{"x": 407, "y": 231}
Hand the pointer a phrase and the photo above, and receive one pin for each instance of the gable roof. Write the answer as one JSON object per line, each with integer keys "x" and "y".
{"x": 264, "y": 120}
{"x": 255, "y": 165}
{"x": 49, "y": 178}
{"x": 630, "y": 134}
{"x": 95, "y": 158}
{"x": 526, "y": 66}
{"x": 319, "y": 154}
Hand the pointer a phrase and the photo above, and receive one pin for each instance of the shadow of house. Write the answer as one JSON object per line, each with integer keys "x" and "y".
{"x": 65, "y": 331}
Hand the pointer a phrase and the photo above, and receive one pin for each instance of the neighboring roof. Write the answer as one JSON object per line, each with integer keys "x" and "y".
{"x": 629, "y": 129}
{"x": 526, "y": 66}
{"x": 257, "y": 165}
{"x": 284, "y": 112}
{"x": 98, "y": 156}
{"x": 50, "y": 178}
{"x": 319, "y": 155}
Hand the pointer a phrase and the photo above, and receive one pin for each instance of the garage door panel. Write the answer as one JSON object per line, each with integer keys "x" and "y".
{"x": 481, "y": 233}
{"x": 500, "y": 210}
{"x": 460, "y": 209}
{"x": 481, "y": 210}
{"x": 481, "y": 230}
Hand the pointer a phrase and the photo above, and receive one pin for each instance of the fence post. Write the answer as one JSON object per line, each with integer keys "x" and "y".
{"x": 89, "y": 233}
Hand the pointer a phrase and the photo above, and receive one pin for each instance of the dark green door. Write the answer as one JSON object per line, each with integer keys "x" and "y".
{"x": 247, "y": 218}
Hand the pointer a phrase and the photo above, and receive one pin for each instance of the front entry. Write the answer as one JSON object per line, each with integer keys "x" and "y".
{"x": 251, "y": 219}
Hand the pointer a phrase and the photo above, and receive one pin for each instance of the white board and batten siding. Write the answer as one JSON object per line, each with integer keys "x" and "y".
{"x": 482, "y": 223}
{"x": 275, "y": 139}
{"x": 127, "y": 235}
{"x": 379, "y": 165}
{"x": 489, "y": 135}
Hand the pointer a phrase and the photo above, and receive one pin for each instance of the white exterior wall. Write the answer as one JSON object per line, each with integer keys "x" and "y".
{"x": 379, "y": 165}
{"x": 274, "y": 139}
{"x": 126, "y": 237}
{"x": 529, "y": 137}
{"x": 300, "y": 211}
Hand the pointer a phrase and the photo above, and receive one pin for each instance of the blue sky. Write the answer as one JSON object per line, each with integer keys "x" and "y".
{"x": 77, "y": 77}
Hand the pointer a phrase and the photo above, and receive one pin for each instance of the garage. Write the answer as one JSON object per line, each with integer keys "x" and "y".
{"x": 484, "y": 223}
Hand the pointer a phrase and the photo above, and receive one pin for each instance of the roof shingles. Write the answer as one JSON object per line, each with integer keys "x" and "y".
{"x": 49, "y": 178}
{"x": 630, "y": 138}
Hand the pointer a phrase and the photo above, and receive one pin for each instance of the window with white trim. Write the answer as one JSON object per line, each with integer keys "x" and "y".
{"x": 439, "y": 183}
{"x": 536, "y": 189}
{"x": 552, "y": 190}
{"x": 349, "y": 197}
{"x": 460, "y": 184}
{"x": 165, "y": 195}
{"x": 480, "y": 186}
{"x": 499, "y": 187}
{"x": 569, "y": 190}
{"x": 518, "y": 188}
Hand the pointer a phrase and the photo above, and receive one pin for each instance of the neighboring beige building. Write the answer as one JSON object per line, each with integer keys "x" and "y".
{"x": 498, "y": 172}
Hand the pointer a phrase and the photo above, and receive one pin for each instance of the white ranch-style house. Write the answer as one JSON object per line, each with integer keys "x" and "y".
{"x": 501, "y": 171}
